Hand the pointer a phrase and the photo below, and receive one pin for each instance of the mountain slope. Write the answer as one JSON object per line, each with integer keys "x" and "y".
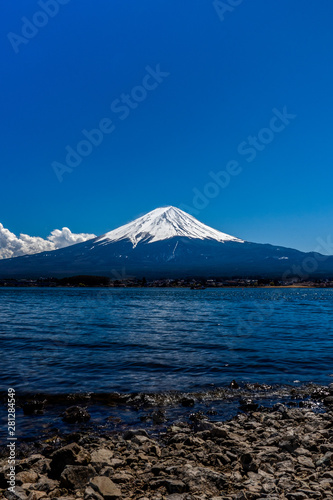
{"x": 166, "y": 243}
{"x": 164, "y": 223}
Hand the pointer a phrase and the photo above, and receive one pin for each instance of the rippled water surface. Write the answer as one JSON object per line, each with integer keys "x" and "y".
{"x": 105, "y": 340}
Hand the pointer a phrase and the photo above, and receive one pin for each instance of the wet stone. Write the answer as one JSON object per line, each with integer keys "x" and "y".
{"x": 187, "y": 401}
{"x": 248, "y": 405}
{"x": 75, "y": 414}
{"x": 34, "y": 407}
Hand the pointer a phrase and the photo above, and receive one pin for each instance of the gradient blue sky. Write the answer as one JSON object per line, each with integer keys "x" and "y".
{"x": 225, "y": 79}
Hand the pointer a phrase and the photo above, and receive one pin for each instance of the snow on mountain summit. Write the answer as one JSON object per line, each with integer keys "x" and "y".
{"x": 164, "y": 223}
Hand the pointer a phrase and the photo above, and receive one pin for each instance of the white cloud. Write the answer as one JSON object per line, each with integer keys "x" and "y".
{"x": 14, "y": 246}
{"x": 65, "y": 237}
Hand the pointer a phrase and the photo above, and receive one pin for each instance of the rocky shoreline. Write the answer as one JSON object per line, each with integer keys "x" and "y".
{"x": 274, "y": 453}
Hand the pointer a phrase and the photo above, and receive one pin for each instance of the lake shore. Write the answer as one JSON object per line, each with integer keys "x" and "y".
{"x": 197, "y": 283}
{"x": 280, "y": 452}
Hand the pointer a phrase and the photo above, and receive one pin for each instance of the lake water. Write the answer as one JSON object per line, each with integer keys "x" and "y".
{"x": 104, "y": 340}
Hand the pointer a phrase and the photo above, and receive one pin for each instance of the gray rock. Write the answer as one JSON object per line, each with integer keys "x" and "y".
{"x": 27, "y": 476}
{"x": 290, "y": 443}
{"x": 248, "y": 463}
{"x": 136, "y": 432}
{"x": 310, "y": 493}
{"x": 67, "y": 498}
{"x": 296, "y": 496}
{"x": 175, "y": 486}
{"x": 105, "y": 487}
{"x": 3, "y": 476}
{"x": 303, "y": 451}
{"x": 116, "y": 462}
{"x": 28, "y": 463}
{"x": 36, "y": 495}
{"x": 155, "y": 450}
{"x": 218, "y": 432}
{"x": 305, "y": 461}
{"x": 19, "y": 494}
{"x": 326, "y": 459}
{"x": 139, "y": 440}
{"x": 101, "y": 456}
{"x": 46, "y": 484}
{"x": 91, "y": 494}
{"x": 42, "y": 466}
{"x": 121, "y": 477}
{"x": 76, "y": 476}
{"x": 72, "y": 454}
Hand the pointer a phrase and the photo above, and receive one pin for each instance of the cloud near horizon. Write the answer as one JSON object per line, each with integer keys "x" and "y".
{"x": 16, "y": 246}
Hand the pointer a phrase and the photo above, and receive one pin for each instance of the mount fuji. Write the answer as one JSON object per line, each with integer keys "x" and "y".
{"x": 166, "y": 243}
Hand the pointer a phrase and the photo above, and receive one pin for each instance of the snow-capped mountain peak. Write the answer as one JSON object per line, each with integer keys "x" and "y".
{"x": 164, "y": 223}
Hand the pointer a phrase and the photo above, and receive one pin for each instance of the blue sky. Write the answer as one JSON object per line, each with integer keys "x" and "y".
{"x": 221, "y": 81}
